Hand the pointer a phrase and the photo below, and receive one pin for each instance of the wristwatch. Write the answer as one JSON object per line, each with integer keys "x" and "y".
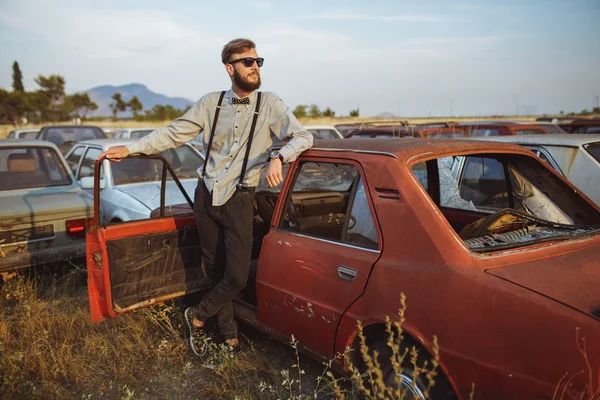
{"x": 275, "y": 154}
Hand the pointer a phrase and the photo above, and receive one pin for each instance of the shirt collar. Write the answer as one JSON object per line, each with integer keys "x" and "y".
{"x": 230, "y": 94}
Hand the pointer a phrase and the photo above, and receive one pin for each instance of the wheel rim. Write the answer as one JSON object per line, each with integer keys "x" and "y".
{"x": 408, "y": 386}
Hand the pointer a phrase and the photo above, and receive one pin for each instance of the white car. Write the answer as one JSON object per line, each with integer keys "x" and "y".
{"x": 133, "y": 133}
{"x": 324, "y": 132}
{"x": 131, "y": 188}
{"x": 44, "y": 212}
{"x": 576, "y": 157}
{"x": 23, "y": 134}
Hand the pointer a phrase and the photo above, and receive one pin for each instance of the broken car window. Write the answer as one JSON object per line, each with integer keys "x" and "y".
{"x": 495, "y": 201}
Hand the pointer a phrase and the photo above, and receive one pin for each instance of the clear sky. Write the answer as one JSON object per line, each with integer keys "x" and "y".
{"x": 410, "y": 58}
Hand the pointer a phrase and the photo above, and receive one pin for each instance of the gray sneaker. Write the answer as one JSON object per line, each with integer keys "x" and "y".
{"x": 197, "y": 338}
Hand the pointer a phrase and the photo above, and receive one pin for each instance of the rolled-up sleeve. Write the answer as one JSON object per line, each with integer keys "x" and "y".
{"x": 284, "y": 124}
{"x": 180, "y": 131}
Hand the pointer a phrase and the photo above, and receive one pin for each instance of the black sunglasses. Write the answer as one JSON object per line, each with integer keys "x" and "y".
{"x": 249, "y": 61}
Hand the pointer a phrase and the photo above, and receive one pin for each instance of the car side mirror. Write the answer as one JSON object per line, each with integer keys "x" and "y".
{"x": 87, "y": 182}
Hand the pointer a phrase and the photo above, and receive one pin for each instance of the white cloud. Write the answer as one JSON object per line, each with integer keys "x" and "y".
{"x": 264, "y": 5}
{"x": 105, "y": 34}
{"x": 353, "y": 16}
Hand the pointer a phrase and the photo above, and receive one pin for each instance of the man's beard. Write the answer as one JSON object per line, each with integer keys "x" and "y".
{"x": 244, "y": 84}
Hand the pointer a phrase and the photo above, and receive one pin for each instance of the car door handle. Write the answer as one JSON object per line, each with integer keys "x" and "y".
{"x": 346, "y": 273}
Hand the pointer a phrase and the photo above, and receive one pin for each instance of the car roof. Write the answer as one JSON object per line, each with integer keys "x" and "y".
{"x": 26, "y": 130}
{"x": 27, "y": 143}
{"x": 106, "y": 143}
{"x": 70, "y": 126}
{"x": 563, "y": 139}
{"x": 319, "y": 127}
{"x": 407, "y": 149}
{"x": 137, "y": 129}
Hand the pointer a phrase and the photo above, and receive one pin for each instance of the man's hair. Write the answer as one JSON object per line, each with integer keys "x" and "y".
{"x": 236, "y": 46}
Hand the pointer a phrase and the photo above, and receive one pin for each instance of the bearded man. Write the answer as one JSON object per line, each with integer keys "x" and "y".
{"x": 238, "y": 128}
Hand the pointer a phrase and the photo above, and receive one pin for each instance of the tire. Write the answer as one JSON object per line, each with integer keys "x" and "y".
{"x": 415, "y": 390}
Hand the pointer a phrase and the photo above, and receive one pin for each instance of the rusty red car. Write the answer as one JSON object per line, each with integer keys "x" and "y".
{"x": 501, "y": 128}
{"x": 498, "y": 256}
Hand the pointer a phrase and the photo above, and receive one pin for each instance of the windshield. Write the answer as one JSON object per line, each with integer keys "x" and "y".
{"x": 30, "y": 167}
{"x": 140, "y": 133}
{"x": 447, "y": 135}
{"x": 184, "y": 160}
{"x": 529, "y": 132}
{"x": 323, "y": 133}
{"x": 484, "y": 132}
{"x": 67, "y": 135}
{"x": 494, "y": 200}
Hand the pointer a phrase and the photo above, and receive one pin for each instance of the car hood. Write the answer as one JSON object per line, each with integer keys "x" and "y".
{"x": 148, "y": 193}
{"x": 572, "y": 278}
{"x": 39, "y": 205}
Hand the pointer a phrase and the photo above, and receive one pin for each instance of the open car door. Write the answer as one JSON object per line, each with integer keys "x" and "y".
{"x": 139, "y": 263}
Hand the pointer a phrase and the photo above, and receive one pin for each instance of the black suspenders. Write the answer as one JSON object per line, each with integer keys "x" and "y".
{"x": 212, "y": 133}
{"x": 250, "y": 137}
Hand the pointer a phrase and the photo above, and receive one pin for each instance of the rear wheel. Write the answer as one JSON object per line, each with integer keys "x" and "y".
{"x": 414, "y": 388}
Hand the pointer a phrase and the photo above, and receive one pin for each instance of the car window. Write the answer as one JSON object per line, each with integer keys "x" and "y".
{"x": 594, "y": 150}
{"x": 447, "y": 135}
{"x": 483, "y": 183}
{"x": 506, "y": 200}
{"x": 321, "y": 196}
{"x": 74, "y": 157}
{"x": 68, "y": 135}
{"x": 484, "y": 132}
{"x": 140, "y": 133}
{"x": 28, "y": 135}
{"x": 529, "y": 132}
{"x": 360, "y": 227}
{"x": 184, "y": 160}
{"x": 31, "y": 167}
{"x": 593, "y": 129}
{"x": 88, "y": 162}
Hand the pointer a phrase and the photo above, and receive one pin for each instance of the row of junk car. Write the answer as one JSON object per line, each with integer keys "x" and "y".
{"x": 490, "y": 228}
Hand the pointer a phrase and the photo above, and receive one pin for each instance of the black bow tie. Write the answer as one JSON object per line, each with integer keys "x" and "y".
{"x": 245, "y": 100}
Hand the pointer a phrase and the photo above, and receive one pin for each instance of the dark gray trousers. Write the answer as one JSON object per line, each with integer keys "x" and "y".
{"x": 226, "y": 241}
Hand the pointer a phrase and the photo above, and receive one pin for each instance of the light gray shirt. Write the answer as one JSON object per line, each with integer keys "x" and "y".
{"x": 275, "y": 124}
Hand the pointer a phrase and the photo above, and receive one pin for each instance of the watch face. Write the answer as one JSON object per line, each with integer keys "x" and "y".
{"x": 274, "y": 154}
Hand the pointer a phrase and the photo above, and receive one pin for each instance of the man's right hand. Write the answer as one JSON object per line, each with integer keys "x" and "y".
{"x": 116, "y": 153}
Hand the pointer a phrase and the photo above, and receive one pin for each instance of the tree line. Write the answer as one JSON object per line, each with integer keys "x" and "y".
{"x": 50, "y": 103}
{"x": 313, "y": 111}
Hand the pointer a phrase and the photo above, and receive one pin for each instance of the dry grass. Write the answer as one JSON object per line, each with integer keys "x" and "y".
{"x": 50, "y": 349}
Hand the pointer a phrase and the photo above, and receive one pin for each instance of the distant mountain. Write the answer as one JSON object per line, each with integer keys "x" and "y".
{"x": 102, "y": 95}
{"x": 386, "y": 115}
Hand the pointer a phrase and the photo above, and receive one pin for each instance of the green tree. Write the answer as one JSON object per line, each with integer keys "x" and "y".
{"x": 118, "y": 106}
{"x": 135, "y": 105}
{"x": 354, "y": 113}
{"x": 53, "y": 89}
{"x": 314, "y": 111}
{"x": 328, "y": 113}
{"x": 82, "y": 104}
{"x": 300, "y": 111}
{"x": 8, "y": 112}
{"x": 17, "y": 77}
{"x": 584, "y": 112}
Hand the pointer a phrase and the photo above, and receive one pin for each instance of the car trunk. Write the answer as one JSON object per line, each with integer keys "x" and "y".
{"x": 571, "y": 278}
{"x": 39, "y": 217}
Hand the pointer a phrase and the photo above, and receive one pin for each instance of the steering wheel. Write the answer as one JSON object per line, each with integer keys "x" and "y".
{"x": 265, "y": 202}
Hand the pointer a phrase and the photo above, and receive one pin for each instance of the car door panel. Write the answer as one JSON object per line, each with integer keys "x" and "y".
{"x": 139, "y": 263}
{"x": 305, "y": 283}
